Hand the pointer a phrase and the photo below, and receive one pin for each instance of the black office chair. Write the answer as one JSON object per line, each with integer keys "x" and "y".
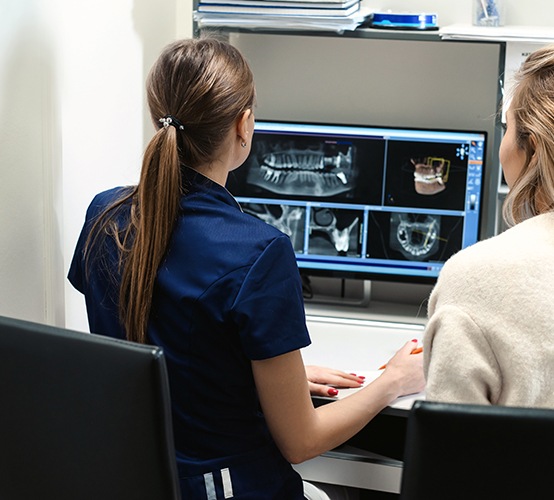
{"x": 83, "y": 417}
{"x": 474, "y": 452}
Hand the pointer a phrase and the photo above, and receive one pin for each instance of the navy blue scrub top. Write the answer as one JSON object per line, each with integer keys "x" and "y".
{"x": 228, "y": 292}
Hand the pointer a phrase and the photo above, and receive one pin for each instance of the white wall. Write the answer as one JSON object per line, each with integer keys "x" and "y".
{"x": 25, "y": 159}
{"x": 73, "y": 123}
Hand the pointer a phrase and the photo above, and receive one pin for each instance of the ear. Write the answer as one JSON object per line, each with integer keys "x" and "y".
{"x": 243, "y": 129}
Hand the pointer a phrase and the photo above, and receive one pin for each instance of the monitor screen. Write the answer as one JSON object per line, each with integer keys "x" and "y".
{"x": 362, "y": 201}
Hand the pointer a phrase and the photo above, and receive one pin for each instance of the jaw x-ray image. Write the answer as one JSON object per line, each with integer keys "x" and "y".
{"x": 301, "y": 166}
{"x": 414, "y": 236}
{"x": 335, "y": 232}
{"x": 317, "y": 168}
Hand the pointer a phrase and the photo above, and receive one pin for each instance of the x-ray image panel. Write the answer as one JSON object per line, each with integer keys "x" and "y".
{"x": 335, "y": 232}
{"x": 414, "y": 237}
{"x": 426, "y": 175}
{"x": 301, "y": 166}
{"x": 417, "y": 238}
{"x": 311, "y": 168}
{"x": 289, "y": 219}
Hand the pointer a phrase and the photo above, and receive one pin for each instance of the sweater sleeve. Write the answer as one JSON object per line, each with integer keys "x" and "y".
{"x": 459, "y": 363}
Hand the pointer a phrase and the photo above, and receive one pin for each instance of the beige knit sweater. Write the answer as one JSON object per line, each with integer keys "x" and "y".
{"x": 490, "y": 336}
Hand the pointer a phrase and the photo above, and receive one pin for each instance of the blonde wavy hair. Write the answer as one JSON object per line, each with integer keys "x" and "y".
{"x": 532, "y": 108}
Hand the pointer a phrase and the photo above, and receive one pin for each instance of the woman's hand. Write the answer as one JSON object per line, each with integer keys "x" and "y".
{"x": 407, "y": 369}
{"x": 324, "y": 381}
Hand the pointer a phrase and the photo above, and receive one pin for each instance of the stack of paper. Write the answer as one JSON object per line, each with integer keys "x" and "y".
{"x": 335, "y": 15}
{"x": 506, "y": 33}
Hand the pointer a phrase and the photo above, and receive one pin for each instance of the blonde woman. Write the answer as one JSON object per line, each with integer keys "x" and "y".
{"x": 490, "y": 336}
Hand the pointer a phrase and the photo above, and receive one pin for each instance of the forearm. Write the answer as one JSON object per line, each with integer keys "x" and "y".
{"x": 302, "y": 432}
{"x": 336, "y": 422}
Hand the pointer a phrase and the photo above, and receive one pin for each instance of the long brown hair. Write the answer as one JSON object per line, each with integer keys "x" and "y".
{"x": 205, "y": 84}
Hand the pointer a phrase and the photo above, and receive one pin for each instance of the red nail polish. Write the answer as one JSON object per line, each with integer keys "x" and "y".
{"x": 332, "y": 391}
{"x": 362, "y": 377}
{"x": 415, "y": 340}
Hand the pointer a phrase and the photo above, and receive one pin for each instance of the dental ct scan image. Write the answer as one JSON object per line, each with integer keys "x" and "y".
{"x": 369, "y": 201}
{"x": 335, "y": 232}
{"x": 414, "y": 236}
{"x": 313, "y": 168}
{"x": 426, "y": 175}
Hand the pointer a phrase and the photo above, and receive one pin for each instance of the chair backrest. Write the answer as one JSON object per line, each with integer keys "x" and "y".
{"x": 83, "y": 417}
{"x": 456, "y": 451}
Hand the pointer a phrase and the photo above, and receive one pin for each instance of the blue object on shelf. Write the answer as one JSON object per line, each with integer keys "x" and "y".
{"x": 404, "y": 21}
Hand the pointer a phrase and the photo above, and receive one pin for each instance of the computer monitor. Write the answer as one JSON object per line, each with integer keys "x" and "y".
{"x": 367, "y": 202}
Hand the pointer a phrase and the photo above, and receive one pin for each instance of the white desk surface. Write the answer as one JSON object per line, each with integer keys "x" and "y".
{"x": 360, "y": 341}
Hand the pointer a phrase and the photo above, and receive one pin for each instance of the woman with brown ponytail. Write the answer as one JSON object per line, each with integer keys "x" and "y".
{"x": 174, "y": 262}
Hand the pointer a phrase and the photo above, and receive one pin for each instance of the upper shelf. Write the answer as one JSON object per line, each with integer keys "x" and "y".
{"x": 461, "y": 32}
{"x": 369, "y": 33}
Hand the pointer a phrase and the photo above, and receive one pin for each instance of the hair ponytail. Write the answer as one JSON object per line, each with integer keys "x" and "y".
{"x": 153, "y": 217}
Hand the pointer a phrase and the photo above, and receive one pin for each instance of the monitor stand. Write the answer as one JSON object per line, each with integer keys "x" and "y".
{"x": 336, "y": 291}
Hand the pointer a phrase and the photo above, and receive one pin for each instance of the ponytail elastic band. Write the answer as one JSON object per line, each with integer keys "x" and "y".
{"x": 168, "y": 120}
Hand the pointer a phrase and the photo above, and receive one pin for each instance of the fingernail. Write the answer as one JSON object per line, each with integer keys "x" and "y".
{"x": 415, "y": 340}
{"x": 361, "y": 376}
{"x": 332, "y": 391}
{"x": 354, "y": 374}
